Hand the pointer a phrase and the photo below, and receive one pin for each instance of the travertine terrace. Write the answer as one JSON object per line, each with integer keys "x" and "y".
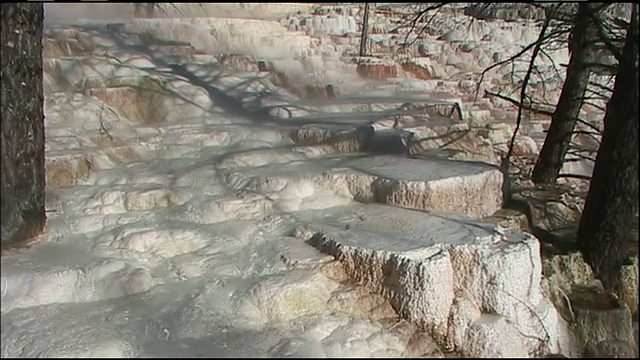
{"x": 233, "y": 184}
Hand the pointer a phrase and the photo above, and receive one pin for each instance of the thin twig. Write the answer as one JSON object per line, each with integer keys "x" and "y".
{"x": 539, "y": 111}
{"x": 515, "y": 56}
{"x": 103, "y": 130}
{"x": 523, "y": 90}
{"x": 437, "y": 7}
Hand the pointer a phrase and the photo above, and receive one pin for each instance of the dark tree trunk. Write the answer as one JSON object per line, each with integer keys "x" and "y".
{"x": 365, "y": 31}
{"x": 565, "y": 116}
{"x": 613, "y": 195}
{"x": 137, "y": 10}
{"x": 22, "y": 134}
{"x": 151, "y": 9}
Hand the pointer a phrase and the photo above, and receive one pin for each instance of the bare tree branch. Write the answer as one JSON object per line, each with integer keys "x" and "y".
{"x": 523, "y": 90}
{"x": 538, "y": 110}
{"x": 517, "y": 103}
{"x": 419, "y": 16}
{"x": 515, "y": 56}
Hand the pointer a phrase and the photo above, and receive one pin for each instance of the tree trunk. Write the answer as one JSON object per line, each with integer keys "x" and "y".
{"x": 613, "y": 195}
{"x": 565, "y": 116}
{"x": 22, "y": 134}
{"x": 137, "y": 10}
{"x": 365, "y": 31}
{"x": 151, "y": 9}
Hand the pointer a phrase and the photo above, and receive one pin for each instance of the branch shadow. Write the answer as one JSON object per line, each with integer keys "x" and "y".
{"x": 244, "y": 98}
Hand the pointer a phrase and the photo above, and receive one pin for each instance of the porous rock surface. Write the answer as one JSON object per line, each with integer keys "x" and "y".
{"x": 193, "y": 196}
{"x": 475, "y": 286}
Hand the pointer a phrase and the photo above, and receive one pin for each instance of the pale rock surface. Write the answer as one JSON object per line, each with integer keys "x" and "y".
{"x": 243, "y": 206}
{"x": 500, "y": 134}
{"x": 493, "y": 336}
{"x": 260, "y": 157}
{"x": 551, "y": 209}
{"x": 299, "y": 255}
{"x": 580, "y": 167}
{"x": 149, "y": 103}
{"x": 110, "y": 201}
{"x": 108, "y": 349}
{"x": 361, "y": 302}
{"x": 601, "y": 322}
{"x": 67, "y": 171}
{"x": 336, "y": 25}
{"x": 164, "y": 243}
{"x": 629, "y": 285}
{"x": 56, "y": 282}
{"x": 424, "y": 68}
{"x": 508, "y": 218}
{"x": 298, "y": 348}
{"x": 422, "y": 344}
{"x": 340, "y": 344}
{"x": 611, "y": 349}
{"x": 374, "y": 68}
{"x": 460, "y": 142}
{"x": 414, "y": 134}
{"x": 338, "y": 337}
{"x": 417, "y": 183}
{"x": 75, "y": 122}
{"x": 402, "y": 268}
{"x": 561, "y": 272}
{"x": 525, "y": 145}
{"x": 297, "y": 293}
{"x": 188, "y": 248}
{"x": 342, "y": 140}
{"x": 83, "y": 113}
{"x": 267, "y": 11}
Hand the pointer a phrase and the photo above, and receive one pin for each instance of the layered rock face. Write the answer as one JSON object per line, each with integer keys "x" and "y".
{"x": 475, "y": 287}
{"x": 376, "y": 69}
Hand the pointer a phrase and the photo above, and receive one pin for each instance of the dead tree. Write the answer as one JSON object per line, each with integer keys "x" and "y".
{"x": 564, "y": 118}
{"x": 612, "y": 200}
{"x": 151, "y": 9}
{"x": 365, "y": 31}
{"x": 149, "y": 12}
{"x": 22, "y": 134}
{"x": 607, "y": 38}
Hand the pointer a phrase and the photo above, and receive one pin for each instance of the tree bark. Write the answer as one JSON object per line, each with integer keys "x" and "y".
{"x": 151, "y": 9}
{"x": 564, "y": 118}
{"x": 22, "y": 134}
{"x": 137, "y": 10}
{"x": 612, "y": 200}
{"x": 365, "y": 31}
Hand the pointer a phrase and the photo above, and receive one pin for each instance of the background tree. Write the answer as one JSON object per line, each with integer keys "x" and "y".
{"x": 22, "y": 185}
{"x": 150, "y": 9}
{"x": 612, "y": 201}
{"x": 587, "y": 82}
{"x": 564, "y": 118}
{"x": 595, "y": 39}
{"x": 601, "y": 41}
{"x": 137, "y": 10}
{"x": 365, "y": 31}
